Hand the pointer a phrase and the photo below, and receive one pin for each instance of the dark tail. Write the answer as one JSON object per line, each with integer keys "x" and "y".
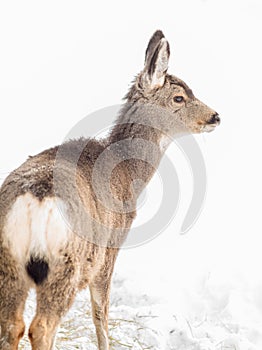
{"x": 37, "y": 269}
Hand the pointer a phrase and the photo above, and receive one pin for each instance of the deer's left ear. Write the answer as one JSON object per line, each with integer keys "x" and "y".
{"x": 156, "y": 63}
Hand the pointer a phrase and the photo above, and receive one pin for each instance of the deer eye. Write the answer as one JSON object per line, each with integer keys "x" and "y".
{"x": 179, "y": 99}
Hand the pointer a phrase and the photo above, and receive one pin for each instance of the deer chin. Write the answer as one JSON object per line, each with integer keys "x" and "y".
{"x": 208, "y": 127}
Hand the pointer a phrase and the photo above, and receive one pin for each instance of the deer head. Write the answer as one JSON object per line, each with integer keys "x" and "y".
{"x": 155, "y": 87}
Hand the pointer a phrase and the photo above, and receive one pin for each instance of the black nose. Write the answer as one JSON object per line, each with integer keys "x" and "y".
{"x": 215, "y": 119}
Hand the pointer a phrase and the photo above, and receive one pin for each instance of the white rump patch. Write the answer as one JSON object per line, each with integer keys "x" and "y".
{"x": 35, "y": 227}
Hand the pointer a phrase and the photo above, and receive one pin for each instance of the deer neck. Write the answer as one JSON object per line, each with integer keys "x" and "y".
{"x": 139, "y": 138}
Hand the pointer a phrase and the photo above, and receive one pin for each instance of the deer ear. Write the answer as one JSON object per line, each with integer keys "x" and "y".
{"x": 153, "y": 42}
{"x": 156, "y": 62}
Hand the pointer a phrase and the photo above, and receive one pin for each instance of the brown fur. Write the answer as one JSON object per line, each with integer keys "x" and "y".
{"x": 87, "y": 258}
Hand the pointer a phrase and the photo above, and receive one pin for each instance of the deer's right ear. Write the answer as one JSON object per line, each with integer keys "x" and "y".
{"x": 156, "y": 62}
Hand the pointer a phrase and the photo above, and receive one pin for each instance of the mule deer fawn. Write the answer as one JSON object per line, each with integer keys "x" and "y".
{"x": 59, "y": 255}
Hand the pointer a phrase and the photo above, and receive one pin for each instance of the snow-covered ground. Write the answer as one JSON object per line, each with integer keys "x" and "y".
{"x": 210, "y": 318}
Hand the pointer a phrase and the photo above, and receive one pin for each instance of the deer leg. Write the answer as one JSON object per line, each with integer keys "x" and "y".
{"x": 100, "y": 306}
{"x": 54, "y": 298}
{"x": 100, "y": 298}
{"x": 13, "y": 294}
{"x": 11, "y": 318}
{"x": 43, "y": 330}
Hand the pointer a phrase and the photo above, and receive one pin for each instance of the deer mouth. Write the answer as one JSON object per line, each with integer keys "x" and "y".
{"x": 212, "y": 123}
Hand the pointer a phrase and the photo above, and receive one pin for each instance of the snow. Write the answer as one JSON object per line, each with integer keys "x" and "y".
{"x": 210, "y": 319}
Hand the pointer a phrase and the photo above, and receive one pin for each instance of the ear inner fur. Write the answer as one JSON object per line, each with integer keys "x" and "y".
{"x": 153, "y": 42}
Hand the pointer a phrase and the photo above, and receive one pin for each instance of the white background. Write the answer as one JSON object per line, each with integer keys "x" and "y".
{"x": 61, "y": 60}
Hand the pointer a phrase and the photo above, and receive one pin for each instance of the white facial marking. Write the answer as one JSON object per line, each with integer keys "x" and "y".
{"x": 164, "y": 143}
{"x": 208, "y": 128}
